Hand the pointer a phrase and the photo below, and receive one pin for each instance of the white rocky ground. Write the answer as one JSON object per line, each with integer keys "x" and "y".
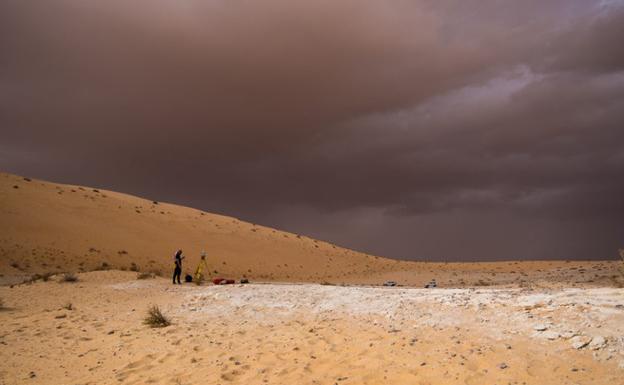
{"x": 588, "y": 318}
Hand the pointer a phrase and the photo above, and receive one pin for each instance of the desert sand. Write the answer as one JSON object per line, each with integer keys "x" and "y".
{"x": 307, "y": 334}
{"x": 314, "y": 313}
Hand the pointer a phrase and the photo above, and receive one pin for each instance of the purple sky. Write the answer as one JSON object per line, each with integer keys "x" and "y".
{"x": 431, "y": 129}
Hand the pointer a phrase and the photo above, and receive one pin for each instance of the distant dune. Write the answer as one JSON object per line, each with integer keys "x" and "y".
{"x": 49, "y": 228}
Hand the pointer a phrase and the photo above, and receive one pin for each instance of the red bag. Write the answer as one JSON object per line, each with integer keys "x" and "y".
{"x": 223, "y": 281}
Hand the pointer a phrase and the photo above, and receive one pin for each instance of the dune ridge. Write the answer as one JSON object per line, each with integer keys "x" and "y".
{"x": 50, "y": 228}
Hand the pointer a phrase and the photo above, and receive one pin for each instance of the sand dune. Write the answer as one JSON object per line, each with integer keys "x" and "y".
{"x": 54, "y": 227}
{"x": 50, "y": 228}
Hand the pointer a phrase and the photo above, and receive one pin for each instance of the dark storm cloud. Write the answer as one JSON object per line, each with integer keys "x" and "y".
{"x": 461, "y": 129}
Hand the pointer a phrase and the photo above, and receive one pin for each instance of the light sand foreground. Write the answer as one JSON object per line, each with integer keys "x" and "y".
{"x": 307, "y": 334}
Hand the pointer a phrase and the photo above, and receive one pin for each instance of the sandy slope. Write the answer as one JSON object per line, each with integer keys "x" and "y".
{"x": 48, "y": 227}
{"x": 52, "y": 227}
{"x": 307, "y": 334}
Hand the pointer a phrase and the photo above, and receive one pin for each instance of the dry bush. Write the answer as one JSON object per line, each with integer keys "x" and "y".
{"x": 155, "y": 318}
{"x": 68, "y": 306}
{"x": 134, "y": 267}
{"x": 35, "y": 277}
{"x": 621, "y": 269}
{"x": 69, "y": 277}
{"x": 104, "y": 266}
{"x": 1, "y": 304}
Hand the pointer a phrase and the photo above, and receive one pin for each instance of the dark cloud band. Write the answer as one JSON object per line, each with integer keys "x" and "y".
{"x": 440, "y": 129}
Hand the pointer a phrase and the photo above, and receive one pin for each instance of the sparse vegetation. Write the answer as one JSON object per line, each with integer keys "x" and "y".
{"x": 69, "y": 277}
{"x": 103, "y": 266}
{"x": 68, "y": 306}
{"x": 155, "y": 318}
{"x": 134, "y": 267}
{"x": 619, "y": 283}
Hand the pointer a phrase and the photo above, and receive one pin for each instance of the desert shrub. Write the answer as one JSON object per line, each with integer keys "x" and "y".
{"x": 145, "y": 275}
{"x": 69, "y": 277}
{"x": 35, "y": 277}
{"x": 1, "y": 304}
{"x": 15, "y": 265}
{"x": 134, "y": 267}
{"x": 325, "y": 283}
{"x": 103, "y": 266}
{"x": 68, "y": 306}
{"x": 155, "y": 318}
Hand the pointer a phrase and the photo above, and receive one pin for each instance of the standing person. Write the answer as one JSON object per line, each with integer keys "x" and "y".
{"x": 199, "y": 272}
{"x": 178, "y": 267}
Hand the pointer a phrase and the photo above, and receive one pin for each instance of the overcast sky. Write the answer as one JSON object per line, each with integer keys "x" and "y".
{"x": 431, "y": 129}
